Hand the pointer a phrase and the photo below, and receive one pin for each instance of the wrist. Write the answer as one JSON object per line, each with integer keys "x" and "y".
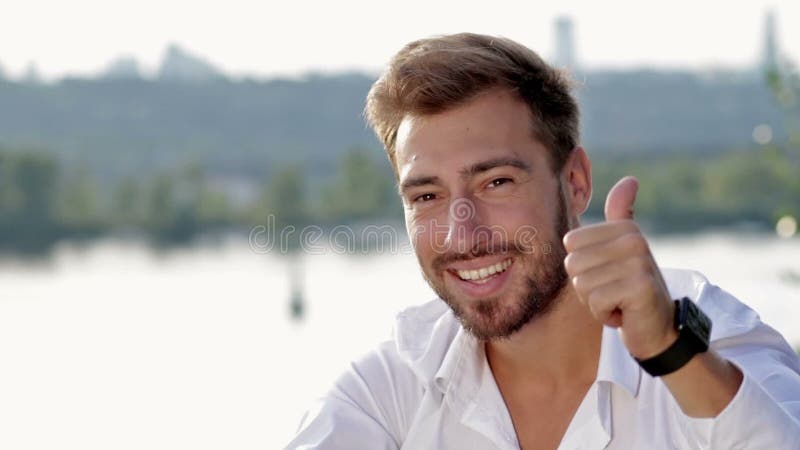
{"x": 659, "y": 346}
{"x": 693, "y": 330}
{"x": 663, "y": 339}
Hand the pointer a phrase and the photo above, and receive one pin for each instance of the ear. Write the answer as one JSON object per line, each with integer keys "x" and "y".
{"x": 576, "y": 178}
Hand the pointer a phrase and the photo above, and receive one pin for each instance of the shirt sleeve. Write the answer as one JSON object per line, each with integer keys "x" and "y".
{"x": 368, "y": 407}
{"x": 765, "y": 412}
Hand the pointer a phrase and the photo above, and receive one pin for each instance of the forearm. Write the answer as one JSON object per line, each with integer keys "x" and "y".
{"x": 705, "y": 385}
{"x": 752, "y": 418}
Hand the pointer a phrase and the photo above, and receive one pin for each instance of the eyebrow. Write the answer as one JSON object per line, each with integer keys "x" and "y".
{"x": 416, "y": 182}
{"x": 484, "y": 166}
{"x": 467, "y": 172}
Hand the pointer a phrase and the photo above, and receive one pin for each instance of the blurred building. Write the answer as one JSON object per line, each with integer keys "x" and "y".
{"x": 31, "y": 75}
{"x": 770, "y": 54}
{"x": 565, "y": 44}
{"x": 179, "y": 65}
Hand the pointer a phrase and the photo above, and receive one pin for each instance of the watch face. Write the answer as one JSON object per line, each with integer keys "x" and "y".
{"x": 696, "y": 321}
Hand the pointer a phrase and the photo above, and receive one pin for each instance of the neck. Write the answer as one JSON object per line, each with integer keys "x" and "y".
{"x": 558, "y": 349}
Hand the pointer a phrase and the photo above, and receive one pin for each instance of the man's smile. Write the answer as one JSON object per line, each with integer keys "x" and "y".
{"x": 479, "y": 279}
{"x": 484, "y": 273}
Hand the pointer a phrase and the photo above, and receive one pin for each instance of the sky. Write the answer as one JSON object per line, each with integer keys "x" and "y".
{"x": 288, "y": 38}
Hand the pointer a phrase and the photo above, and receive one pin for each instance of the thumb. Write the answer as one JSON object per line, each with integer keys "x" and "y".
{"x": 620, "y": 199}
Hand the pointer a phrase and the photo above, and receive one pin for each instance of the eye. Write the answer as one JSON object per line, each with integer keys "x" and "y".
{"x": 499, "y": 182}
{"x": 424, "y": 197}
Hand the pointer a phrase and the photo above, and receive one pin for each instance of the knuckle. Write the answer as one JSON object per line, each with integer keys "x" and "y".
{"x": 593, "y": 306}
{"x": 635, "y": 243}
{"x": 580, "y": 284}
{"x": 567, "y": 242}
{"x": 572, "y": 239}
{"x": 570, "y": 264}
{"x": 597, "y": 297}
{"x": 629, "y": 226}
{"x": 598, "y": 303}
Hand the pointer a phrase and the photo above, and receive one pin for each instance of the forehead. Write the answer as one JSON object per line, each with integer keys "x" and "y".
{"x": 494, "y": 124}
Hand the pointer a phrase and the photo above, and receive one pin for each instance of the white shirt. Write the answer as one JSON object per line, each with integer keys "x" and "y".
{"x": 430, "y": 387}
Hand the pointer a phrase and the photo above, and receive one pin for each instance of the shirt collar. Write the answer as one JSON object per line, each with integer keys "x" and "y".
{"x": 440, "y": 351}
{"x": 465, "y": 358}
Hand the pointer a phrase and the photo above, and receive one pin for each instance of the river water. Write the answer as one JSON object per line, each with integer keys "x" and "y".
{"x": 116, "y": 346}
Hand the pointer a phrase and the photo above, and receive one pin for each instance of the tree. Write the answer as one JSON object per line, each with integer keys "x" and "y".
{"x": 28, "y": 187}
{"x": 362, "y": 189}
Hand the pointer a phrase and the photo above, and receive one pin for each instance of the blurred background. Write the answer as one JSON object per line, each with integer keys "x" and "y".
{"x": 198, "y": 231}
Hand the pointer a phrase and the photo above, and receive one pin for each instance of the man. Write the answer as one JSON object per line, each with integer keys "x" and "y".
{"x": 547, "y": 334}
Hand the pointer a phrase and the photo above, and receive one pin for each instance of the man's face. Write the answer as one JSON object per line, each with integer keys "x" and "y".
{"x": 484, "y": 211}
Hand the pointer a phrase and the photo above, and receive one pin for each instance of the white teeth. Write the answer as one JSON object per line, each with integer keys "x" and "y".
{"x": 482, "y": 275}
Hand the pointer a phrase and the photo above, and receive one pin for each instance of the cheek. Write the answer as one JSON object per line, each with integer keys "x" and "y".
{"x": 420, "y": 236}
{"x": 524, "y": 224}
{"x": 428, "y": 239}
{"x": 512, "y": 216}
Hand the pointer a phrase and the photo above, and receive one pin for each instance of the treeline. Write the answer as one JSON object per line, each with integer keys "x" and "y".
{"x": 121, "y": 127}
{"x": 740, "y": 189}
{"x": 42, "y": 202}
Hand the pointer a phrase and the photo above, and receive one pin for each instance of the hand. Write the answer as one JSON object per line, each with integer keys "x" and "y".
{"x": 616, "y": 277}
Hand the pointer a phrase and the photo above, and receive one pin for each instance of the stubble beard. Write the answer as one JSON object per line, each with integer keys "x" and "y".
{"x": 495, "y": 318}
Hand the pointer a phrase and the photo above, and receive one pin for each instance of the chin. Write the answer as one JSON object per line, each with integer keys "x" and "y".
{"x": 501, "y": 316}
{"x": 492, "y": 318}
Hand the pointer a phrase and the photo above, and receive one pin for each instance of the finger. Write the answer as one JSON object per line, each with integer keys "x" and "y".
{"x": 602, "y": 305}
{"x": 628, "y": 245}
{"x": 597, "y": 277}
{"x": 598, "y": 232}
{"x": 614, "y": 319}
{"x": 606, "y": 300}
{"x": 620, "y": 199}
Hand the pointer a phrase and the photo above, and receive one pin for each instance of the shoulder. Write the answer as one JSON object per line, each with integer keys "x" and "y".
{"x": 387, "y": 384}
{"x": 420, "y": 338}
{"x": 423, "y": 335}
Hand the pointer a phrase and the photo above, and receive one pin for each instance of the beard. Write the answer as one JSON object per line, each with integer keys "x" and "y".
{"x": 534, "y": 296}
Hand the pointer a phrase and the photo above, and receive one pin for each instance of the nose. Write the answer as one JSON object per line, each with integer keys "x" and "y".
{"x": 463, "y": 222}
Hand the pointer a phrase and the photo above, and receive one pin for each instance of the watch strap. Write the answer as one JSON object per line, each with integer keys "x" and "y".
{"x": 685, "y": 347}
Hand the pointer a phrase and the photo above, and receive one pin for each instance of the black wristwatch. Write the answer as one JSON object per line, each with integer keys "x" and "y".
{"x": 694, "y": 329}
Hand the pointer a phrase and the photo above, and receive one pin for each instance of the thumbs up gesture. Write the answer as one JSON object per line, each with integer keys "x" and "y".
{"x": 616, "y": 277}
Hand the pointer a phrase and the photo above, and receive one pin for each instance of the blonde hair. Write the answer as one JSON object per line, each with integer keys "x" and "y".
{"x": 431, "y": 75}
